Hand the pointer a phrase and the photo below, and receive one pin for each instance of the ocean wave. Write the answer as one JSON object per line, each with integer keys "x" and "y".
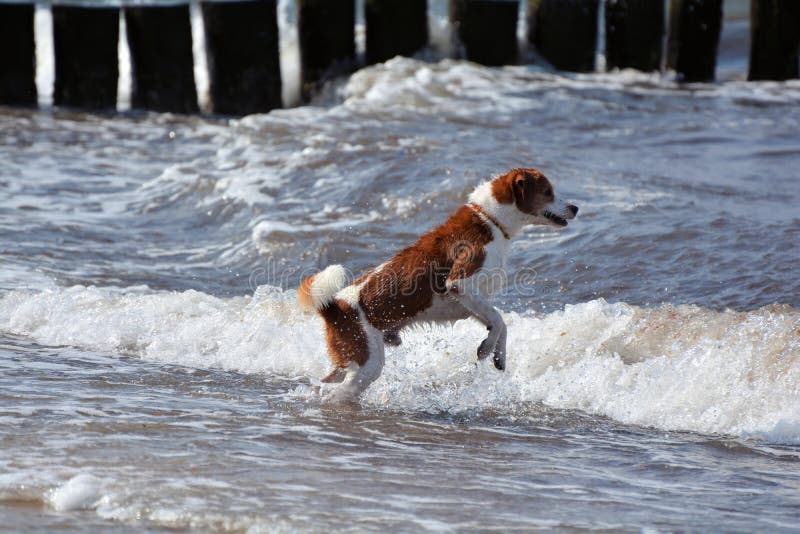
{"x": 669, "y": 367}
{"x": 132, "y": 500}
{"x": 463, "y": 89}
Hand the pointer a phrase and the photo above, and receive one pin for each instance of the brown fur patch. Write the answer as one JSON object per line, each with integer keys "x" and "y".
{"x": 523, "y": 187}
{"x": 334, "y": 377}
{"x": 502, "y": 188}
{"x": 528, "y": 189}
{"x": 395, "y": 293}
{"x": 468, "y": 261}
{"x": 304, "y": 293}
{"x": 347, "y": 341}
{"x": 405, "y": 286}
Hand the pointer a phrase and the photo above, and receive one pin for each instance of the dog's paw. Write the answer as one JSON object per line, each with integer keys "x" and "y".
{"x": 499, "y": 358}
{"x": 392, "y": 338}
{"x": 499, "y": 362}
{"x": 486, "y": 348}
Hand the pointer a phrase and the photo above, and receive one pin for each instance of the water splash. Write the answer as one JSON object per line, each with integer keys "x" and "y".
{"x": 669, "y": 367}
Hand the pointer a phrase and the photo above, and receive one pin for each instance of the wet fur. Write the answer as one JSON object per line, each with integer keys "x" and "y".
{"x": 435, "y": 279}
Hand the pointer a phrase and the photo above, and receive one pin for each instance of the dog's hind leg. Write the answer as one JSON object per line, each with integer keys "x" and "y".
{"x": 374, "y": 366}
{"x": 358, "y": 377}
{"x": 334, "y": 377}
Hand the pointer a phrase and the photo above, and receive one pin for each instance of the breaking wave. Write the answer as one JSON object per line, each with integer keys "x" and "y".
{"x": 669, "y": 367}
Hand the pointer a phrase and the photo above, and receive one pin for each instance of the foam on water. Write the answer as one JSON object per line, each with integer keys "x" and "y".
{"x": 667, "y": 177}
{"x": 133, "y": 500}
{"x": 669, "y": 367}
{"x": 81, "y": 492}
{"x": 243, "y": 170}
{"x": 446, "y": 85}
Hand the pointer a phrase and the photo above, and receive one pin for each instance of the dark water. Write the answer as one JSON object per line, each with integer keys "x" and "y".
{"x": 156, "y": 373}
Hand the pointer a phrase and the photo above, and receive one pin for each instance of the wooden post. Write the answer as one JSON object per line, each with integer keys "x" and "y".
{"x": 694, "y": 31}
{"x": 395, "y": 28}
{"x": 565, "y": 32}
{"x": 160, "y": 41}
{"x": 487, "y": 29}
{"x": 774, "y": 39}
{"x": 326, "y": 31}
{"x": 243, "y": 56}
{"x": 17, "y": 55}
{"x": 634, "y": 34}
{"x": 85, "y": 40}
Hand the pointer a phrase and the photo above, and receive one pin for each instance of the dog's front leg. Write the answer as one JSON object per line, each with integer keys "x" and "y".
{"x": 480, "y": 308}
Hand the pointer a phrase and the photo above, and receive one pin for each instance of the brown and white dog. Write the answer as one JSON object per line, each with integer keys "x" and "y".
{"x": 445, "y": 276}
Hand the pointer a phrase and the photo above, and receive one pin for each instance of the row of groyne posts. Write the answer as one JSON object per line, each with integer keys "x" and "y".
{"x": 242, "y": 45}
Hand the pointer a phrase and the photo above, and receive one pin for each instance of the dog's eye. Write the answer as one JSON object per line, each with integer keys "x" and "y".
{"x": 549, "y": 192}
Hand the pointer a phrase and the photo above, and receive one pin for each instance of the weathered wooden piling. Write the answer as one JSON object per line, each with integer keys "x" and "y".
{"x": 243, "y": 56}
{"x": 634, "y": 34}
{"x": 160, "y": 42}
{"x": 326, "y": 32}
{"x": 17, "y": 55}
{"x": 395, "y": 28}
{"x": 694, "y": 28}
{"x": 487, "y": 30}
{"x": 85, "y": 40}
{"x": 774, "y": 39}
{"x": 564, "y": 32}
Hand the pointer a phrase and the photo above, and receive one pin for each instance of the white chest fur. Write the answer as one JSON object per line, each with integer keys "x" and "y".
{"x": 491, "y": 277}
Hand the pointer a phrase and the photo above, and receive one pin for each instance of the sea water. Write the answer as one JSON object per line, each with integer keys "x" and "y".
{"x": 156, "y": 372}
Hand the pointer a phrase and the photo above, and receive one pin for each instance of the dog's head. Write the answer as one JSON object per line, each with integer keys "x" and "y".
{"x": 532, "y": 194}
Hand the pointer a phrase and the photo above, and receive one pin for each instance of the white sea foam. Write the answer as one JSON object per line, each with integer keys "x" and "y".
{"x": 669, "y": 367}
{"x": 135, "y": 500}
{"x": 267, "y": 228}
{"x": 445, "y": 87}
{"x": 81, "y": 492}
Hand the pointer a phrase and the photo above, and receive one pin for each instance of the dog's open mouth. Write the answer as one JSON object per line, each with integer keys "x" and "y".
{"x": 559, "y": 221}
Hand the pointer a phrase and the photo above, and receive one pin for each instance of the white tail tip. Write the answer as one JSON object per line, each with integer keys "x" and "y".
{"x": 317, "y": 291}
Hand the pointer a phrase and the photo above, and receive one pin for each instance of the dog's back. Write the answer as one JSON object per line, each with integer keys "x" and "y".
{"x": 398, "y": 291}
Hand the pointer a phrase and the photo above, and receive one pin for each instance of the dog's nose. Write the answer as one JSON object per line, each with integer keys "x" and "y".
{"x": 573, "y": 208}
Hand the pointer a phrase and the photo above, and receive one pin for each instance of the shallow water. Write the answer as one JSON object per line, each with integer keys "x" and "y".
{"x": 164, "y": 446}
{"x": 157, "y": 373}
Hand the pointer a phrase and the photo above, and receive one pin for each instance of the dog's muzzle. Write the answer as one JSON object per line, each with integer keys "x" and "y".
{"x": 561, "y": 220}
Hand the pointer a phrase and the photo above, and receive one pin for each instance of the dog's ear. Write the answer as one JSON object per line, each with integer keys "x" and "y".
{"x": 524, "y": 188}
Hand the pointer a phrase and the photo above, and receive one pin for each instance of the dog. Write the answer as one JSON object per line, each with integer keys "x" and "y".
{"x": 444, "y": 276}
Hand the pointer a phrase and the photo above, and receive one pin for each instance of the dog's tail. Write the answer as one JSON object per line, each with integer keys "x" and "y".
{"x": 317, "y": 291}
